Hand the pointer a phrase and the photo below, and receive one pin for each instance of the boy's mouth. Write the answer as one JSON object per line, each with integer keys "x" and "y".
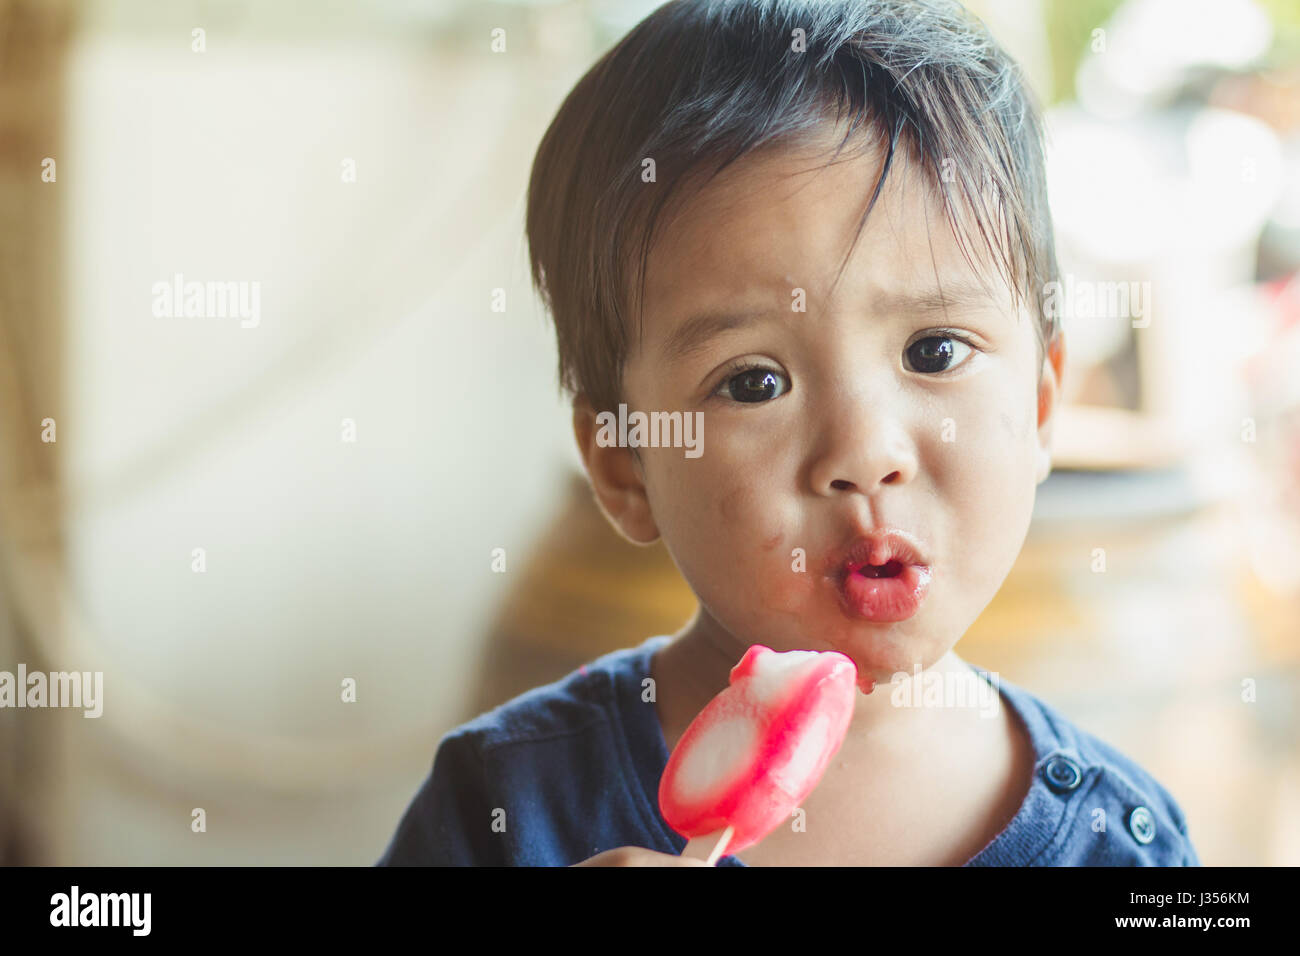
{"x": 890, "y": 569}
{"x": 882, "y": 576}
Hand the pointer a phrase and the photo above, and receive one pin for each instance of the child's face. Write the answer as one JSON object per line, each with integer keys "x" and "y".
{"x": 848, "y": 433}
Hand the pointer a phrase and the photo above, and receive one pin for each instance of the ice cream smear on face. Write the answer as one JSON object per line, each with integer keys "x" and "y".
{"x": 760, "y": 746}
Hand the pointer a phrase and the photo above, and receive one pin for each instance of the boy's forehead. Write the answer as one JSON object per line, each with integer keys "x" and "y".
{"x": 782, "y": 218}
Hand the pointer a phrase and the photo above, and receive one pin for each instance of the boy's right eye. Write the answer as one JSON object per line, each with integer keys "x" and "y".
{"x": 754, "y": 384}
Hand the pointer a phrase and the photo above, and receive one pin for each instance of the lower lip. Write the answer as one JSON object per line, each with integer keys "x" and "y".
{"x": 886, "y": 599}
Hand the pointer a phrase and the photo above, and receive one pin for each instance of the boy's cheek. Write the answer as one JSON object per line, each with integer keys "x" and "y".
{"x": 735, "y": 504}
{"x": 738, "y": 537}
{"x": 790, "y": 585}
{"x": 764, "y": 572}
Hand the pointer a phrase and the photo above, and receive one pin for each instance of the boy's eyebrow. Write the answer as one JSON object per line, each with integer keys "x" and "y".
{"x": 695, "y": 332}
{"x": 698, "y": 330}
{"x": 961, "y": 293}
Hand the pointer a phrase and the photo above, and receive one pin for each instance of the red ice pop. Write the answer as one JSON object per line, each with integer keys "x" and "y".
{"x": 759, "y": 747}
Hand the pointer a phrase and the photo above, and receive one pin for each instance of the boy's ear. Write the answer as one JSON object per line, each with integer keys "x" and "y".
{"x": 1049, "y": 401}
{"x": 616, "y": 477}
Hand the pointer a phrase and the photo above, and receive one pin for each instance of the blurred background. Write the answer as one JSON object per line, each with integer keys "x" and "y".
{"x": 231, "y": 519}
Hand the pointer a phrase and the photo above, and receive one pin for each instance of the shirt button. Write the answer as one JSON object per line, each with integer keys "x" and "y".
{"x": 1062, "y": 774}
{"x": 1142, "y": 825}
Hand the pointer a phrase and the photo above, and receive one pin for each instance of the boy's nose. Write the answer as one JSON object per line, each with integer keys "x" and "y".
{"x": 861, "y": 449}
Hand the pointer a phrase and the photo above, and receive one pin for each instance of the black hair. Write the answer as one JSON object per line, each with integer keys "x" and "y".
{"x": 700, "y": 83}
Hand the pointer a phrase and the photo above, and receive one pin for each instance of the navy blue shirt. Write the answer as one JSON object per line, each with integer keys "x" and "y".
{"x": 571, "y": 769}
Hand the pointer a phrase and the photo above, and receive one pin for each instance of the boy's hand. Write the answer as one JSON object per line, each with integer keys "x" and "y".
{"x": 639, "y": 856}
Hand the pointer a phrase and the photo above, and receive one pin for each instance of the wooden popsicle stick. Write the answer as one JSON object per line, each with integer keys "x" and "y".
{"x": 722, "y": 846}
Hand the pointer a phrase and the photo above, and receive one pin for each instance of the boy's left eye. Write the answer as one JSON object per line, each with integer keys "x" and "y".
{"x": 934, "y": 353}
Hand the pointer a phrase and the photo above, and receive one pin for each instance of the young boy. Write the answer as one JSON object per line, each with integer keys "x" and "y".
{"x": 878, "y": 399}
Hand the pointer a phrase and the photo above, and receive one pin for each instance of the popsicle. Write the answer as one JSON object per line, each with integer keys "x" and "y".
{"x": 759, "y": 747}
